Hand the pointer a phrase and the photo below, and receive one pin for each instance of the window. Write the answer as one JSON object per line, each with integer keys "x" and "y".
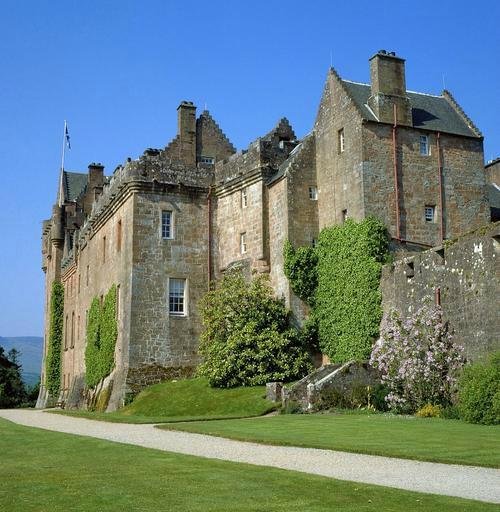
{"x": 314, "y": 242}
{"x": 243, "y": 243}
{"x": 313, "y": 193}
{"x": 166, "y": 225}
{"x": 430, "y": 213}
{"x": 72, "y": 342}
{"x": 66, "y": 327}
{"x": 341, "y": 141}
{"x": 210, "y": 160}
{"x": 424, "y": 145}
{"x": 244, "y": 198}
{"x": 104, "y": 249}
{"x": 344, "y": 215}
{"x": 119, "y": 236}
{"x": 176, "y": 296}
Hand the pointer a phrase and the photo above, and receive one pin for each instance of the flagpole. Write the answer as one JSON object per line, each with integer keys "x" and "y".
{"x": 63, "y": 145}
{"x": 62, "y": 165}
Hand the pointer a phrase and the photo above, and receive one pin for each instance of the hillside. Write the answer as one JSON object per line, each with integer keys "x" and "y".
{"x": 31, "y": 348}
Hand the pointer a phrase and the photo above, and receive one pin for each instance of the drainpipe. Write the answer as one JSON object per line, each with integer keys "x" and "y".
{"x": 440, "y": 176}
{"x": 209, "y": 257}
{"x": 395, "y": 165}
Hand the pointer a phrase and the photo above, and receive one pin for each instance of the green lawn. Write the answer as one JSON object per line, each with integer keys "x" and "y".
{"x": 187, "y": 400}
{"x": 46, "y": 471}
{"x": 431, "y": 439}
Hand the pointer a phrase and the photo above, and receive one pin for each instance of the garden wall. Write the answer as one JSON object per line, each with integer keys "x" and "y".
{"x": 464, "y": 277}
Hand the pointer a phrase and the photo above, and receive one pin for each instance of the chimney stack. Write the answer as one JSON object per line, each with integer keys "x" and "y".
{"x": 186, "y": 132}
{"x": 388, "y": 88}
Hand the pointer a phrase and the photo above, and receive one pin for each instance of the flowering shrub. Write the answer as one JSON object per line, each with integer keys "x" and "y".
{"x": 430, "y": 411}
{"x": 418, "y": 360}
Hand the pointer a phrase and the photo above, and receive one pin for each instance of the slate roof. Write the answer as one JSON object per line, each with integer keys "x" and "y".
{"x": 434, "y": 113}
{"x": 74, "y": 184}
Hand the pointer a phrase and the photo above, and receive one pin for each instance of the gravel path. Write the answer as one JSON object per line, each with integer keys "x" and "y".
{"x": 453, "y": 480}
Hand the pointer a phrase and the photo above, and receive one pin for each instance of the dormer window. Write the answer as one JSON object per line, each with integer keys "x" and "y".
{"x": 208, "y": 160}
{"x": 424, "y": 145}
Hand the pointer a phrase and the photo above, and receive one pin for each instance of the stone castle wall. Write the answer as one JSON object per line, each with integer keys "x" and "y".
{"x": 160, "y": 342}
{"x": 103, "y": 261}
{"x": 463, "y": 184}
{"x": 464, "y": 276}
{"x": 339, "y": 174}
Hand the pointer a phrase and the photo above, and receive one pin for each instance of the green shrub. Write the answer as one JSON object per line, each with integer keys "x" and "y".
{"x": 378, "y": 395}
{"x": 479, "y": 392}
{"x": 300, "y": 267}
{"x": 348, "y": 298}
{"x": 247, "y": 340}
{"x": 53, "y": 357}
{"x": 102, "y": 331}
{"x": 430, "y": 411}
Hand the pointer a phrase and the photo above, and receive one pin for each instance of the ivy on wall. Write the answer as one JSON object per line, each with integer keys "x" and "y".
{"x": 102, "y": 331}
{"x": 53, "y": 358}
{"x": 301, "y": 270}
{"x": 346, "y": 304}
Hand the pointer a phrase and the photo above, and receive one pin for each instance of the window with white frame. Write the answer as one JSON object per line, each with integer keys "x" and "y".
{"x": 166, "y": 224}
{"x": 313, "y": 193}
{"x": 430, "y": 213}
{"x": 210, "y": 160}
{"x": 424, "y": 145}
{"x": 243, "y": 243}
{"x": 341, "y": 140}
{"x": 244, "y": 197}
{"x": 177, "y": 296}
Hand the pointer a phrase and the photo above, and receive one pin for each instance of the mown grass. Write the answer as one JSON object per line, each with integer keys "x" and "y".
{"x": 49, "y": 471}
{"x": 187, "y": 400}
{"x": 428, "y": 439}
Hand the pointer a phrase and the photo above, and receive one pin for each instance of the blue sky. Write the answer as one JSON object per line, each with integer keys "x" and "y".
{"x": 116, "y": 70}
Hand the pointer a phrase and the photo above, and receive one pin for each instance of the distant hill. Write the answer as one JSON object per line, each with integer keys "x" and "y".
{"x": 31, "y": 348}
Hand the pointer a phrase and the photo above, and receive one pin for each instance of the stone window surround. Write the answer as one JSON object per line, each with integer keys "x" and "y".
{"x": 341, "y": 140}
{"x": 164, "y": 208}
{"x": 424, "y": 145}
{"x": 243, "y": 242}
{"x": 185, "y": 302}
{"x": 430, "y": 213}
{"x": 244, "y": 197}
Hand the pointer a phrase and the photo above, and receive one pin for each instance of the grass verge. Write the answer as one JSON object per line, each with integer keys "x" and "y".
{"x": 50, "y": 471}
{"x": 187, "y": 400}
{"x": 428, "y": 439}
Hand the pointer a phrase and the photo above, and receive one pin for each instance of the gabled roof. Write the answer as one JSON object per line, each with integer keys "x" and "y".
{"x": 434, "y": 113}
{"x": 74, "y": 184}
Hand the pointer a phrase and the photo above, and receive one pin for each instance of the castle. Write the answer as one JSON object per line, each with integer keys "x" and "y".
{"x": 162, "y": 227}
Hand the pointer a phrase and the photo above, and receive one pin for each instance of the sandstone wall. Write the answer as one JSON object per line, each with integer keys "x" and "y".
{"x": 464, "y": 194}
{"x": 467, "y": 274}
{"x": 101, "y": 262}
{"x": 339, "y": 174}
{"x": 161, "y": 344}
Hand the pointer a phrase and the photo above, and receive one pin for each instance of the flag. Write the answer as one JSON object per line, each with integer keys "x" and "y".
{"x": 66, "y": 136}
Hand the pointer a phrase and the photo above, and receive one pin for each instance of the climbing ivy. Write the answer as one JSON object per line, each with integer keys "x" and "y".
{"x": 53, "y": 358}
{"x": 348, "y": 297}
{"x": 300, "y": 267}
{"x": 102, "y": 331}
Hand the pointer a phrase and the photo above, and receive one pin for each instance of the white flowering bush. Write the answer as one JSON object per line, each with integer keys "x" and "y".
{"x": 417, "y": 359}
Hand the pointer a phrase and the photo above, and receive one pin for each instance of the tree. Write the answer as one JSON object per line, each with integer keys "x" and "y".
{"x": 247, "y": 339}
{"x": 12, "y": 390}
